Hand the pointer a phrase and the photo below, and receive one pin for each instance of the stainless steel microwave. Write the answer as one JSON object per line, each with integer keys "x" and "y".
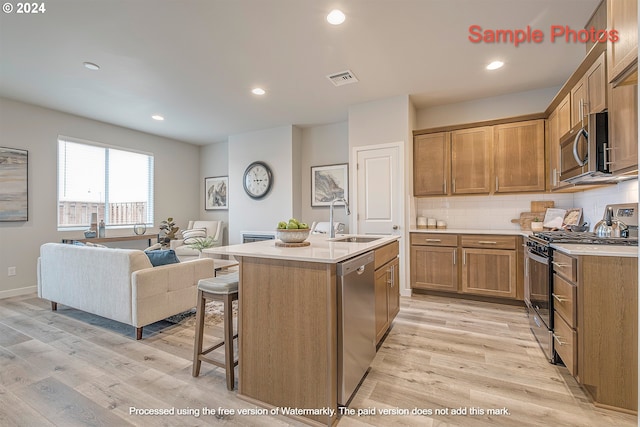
{"x": 584, "y": 152}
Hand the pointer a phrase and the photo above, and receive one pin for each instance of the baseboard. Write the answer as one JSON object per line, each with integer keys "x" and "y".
{"x": 17, "y": 292}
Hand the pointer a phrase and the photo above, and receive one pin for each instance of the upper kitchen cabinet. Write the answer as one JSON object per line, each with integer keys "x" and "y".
{"x": 518, "y": 153}
{"x": 623, "y": 129}
{"x": 622, "y": 15}
{"x": 589, "y": 95}
{"x": 470, "y": 160}
{"x": 558, "y": 124}
{"x": 431, "y": 163}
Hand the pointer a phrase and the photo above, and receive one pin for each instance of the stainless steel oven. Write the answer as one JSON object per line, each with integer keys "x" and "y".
{"x": 538, "y": 294}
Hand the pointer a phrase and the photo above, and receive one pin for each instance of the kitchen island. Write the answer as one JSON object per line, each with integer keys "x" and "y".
{"x": 288, "y": 322}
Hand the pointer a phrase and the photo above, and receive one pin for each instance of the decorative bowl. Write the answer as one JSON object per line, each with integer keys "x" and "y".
{"x": 295, "y": 235}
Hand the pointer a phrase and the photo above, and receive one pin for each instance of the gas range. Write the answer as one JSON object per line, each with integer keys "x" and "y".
{"x": 582, "y": 237}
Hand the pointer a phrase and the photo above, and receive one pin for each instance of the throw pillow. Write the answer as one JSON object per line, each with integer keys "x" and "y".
{"x": 193, "y": 235}
{"x": 162, "y": 257}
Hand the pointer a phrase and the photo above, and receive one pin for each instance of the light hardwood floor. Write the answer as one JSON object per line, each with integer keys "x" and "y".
{"x": 69, "y": 368}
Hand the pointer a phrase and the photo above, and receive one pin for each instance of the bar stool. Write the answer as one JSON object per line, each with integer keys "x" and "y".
{"x": 225, "y": 289}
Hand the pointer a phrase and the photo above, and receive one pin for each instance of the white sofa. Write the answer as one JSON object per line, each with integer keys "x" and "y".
{"x": 214, "y": 229}
{"x": 119, "y": 284}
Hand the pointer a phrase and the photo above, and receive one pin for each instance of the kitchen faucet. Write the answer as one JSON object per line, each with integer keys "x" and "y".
{"x": 332, "y": 229}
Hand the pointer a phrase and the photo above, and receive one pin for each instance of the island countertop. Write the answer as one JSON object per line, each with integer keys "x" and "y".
{"x": 322, "y": 249}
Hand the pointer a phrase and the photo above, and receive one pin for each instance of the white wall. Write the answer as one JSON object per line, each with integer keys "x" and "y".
{"x": 322, "y": 145}
{"x": 275, "y": 147}
{"x": 497, "y": 107}
{"x": 593, "y": 202}
{"x": 382, "y": 122}
{"x": 36, "y": 129}
{"x": 214, "y": 161}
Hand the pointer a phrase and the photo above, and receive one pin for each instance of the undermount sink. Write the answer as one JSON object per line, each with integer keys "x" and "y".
{"x": 356, "y": 239}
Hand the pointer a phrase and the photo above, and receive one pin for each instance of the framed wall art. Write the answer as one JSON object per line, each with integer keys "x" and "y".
{"x": 216, "y": 193}
{"x": 329, "y": 182}
{"x": 14, "y": 194}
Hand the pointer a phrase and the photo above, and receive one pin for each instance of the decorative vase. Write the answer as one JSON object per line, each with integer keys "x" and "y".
{"x": 139, "y": 229}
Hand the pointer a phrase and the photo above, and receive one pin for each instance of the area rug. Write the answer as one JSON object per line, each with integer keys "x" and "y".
{"x": 213, "y": 314}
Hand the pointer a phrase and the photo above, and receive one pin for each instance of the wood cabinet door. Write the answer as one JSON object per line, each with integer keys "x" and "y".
{"x": 470, "y": 160}
{"x": 564, "y": 116}
{"x": 623, "y": 128}
{"x": 596, "y": 81}
{"x": 578, "y": 97}
{"x": 553, "y": 149}
{"x": 489, "y": 272}
{"x": 394, "y": 289}
{"x": 435, "y": 268}
{"x": 381, "y": 302}
{"x": 519, "y": 161}
{"x": 622, "y": 15}
{"x": 431, "y": 164}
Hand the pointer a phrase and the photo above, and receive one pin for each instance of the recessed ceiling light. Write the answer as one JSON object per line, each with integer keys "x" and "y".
{"x": 157, "y": 117}
{"x": 335, "y": 17}
{"x": 91, "y": 66}
{"x": 258, "y": 91}
{"x": 495, "y": 65}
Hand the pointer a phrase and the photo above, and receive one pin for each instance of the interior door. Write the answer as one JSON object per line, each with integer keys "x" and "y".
{"x": 379, "y": 184}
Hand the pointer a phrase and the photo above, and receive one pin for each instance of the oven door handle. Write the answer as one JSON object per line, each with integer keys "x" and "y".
{"x": 537, "y": 258}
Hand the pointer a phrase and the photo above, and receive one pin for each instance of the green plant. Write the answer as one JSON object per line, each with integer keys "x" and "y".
{"x": 170, "y": 228}
{"x": 536, "y": 219}
{"x": 202, "y": 243}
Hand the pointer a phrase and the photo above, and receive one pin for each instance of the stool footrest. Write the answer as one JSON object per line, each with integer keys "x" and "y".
{"x": 216, "y": 362}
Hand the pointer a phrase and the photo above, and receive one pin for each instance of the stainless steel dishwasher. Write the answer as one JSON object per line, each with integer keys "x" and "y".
{"x": 356, "y": 322}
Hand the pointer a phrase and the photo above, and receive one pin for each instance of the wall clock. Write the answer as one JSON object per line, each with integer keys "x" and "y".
{"x": 257, "y": 180}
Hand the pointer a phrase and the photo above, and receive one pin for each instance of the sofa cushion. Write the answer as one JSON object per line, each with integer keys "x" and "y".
{"x": 162, "y": 257}
{"x": 193, "y": 235}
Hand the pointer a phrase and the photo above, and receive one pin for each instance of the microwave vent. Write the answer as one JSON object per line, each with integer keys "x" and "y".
{"x": 342, "y": 78}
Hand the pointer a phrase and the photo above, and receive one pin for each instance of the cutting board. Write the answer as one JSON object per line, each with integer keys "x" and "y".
{"x": 526, "y": 218}
{"x": 541, "y": 206}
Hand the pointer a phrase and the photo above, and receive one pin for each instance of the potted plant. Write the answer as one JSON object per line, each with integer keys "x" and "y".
{"x": 202, "y": 243}
{"x": 536, "y": 224}
{"x": 169, "y": 227}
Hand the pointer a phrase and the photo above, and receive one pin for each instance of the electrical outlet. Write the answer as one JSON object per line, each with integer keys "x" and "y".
{"x": 11, "y": 271}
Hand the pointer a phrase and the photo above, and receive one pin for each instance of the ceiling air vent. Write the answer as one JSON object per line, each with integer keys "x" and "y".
{"x": 342, "y": 78}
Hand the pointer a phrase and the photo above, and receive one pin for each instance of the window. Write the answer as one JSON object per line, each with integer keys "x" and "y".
{"x": 114, "y": 183}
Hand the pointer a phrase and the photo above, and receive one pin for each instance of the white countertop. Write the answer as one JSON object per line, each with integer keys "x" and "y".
{"x": 470, "y": 231}
{"x": 597, "y": 250}
{"x": 321, "y": 249}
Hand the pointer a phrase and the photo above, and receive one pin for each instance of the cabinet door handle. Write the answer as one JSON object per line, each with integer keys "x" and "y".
{"x": 554, "y": 177}
{"x": 559, "y": 298}
{"x": 559, "y": 264}
{"x": 433, "y": 240}
{"x": 455, "y": 251}
{"x": 487, "y": 242}
{"x": 453, "y": 186}
{"x": 464, "y": 257}
{"x": 526, "y": 267}
{"x": 497, "y": 186}
{"x": 559, "y": 340}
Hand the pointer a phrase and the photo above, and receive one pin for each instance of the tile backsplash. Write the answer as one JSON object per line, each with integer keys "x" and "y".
{"x": 496, "y": 212}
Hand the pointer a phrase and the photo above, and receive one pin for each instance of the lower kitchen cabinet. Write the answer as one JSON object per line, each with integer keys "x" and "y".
{"x": 387, "y": 288}
{"x": 489, "y": 265}
{"x": 595, "y": 327}
{"x": 434, "y": 262}
{"x": 483, "y": 265}
{"x": 608, "y": 330}
{"x": 490, "y": 272}
{"x": 565, "y": 301}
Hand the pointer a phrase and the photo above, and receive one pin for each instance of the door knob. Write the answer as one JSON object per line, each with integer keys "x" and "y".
{"x": 395, "y": 227}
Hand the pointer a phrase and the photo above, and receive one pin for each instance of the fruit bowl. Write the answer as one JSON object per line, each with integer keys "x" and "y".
{"x": 292, "y": 235}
